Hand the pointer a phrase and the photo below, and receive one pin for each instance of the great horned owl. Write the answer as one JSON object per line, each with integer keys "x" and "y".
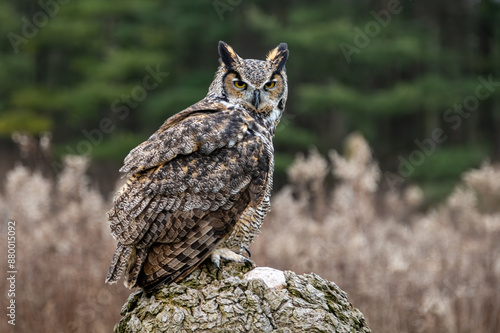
{"x": 199, "y": 187}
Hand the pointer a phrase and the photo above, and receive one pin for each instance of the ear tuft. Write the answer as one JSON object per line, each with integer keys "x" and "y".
{"x": 278, "y": 56}
{"x": 227, "y": 55}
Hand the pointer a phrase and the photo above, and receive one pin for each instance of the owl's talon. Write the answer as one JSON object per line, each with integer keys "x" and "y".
{"x": 249, "y": 263}
{"x": 247, "y": 250}
{"x": 216, "y": 262}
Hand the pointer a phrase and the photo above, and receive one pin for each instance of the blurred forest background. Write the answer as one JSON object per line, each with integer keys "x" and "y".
{"x": 412, "y": 232}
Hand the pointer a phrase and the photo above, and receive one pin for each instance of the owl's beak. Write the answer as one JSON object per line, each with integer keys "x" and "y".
{"x": 256, "y": 99}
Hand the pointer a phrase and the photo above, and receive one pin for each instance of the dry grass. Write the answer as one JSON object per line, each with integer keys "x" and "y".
{"x": 63, "y": 250}
{"x": 408, "y": 271}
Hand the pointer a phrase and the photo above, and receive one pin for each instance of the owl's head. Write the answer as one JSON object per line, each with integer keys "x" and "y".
{"x": 260, "y": 86}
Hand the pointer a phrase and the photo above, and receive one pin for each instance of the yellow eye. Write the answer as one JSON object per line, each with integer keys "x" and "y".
{"x": 240, "y": 84}
{"x": 270, "y": 85}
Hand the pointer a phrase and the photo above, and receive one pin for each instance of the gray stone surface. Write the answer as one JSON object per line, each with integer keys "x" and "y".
{"x": 226, "y": 301}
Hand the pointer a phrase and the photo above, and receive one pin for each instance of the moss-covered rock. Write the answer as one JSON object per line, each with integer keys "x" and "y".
{"x": 229, "y": 301}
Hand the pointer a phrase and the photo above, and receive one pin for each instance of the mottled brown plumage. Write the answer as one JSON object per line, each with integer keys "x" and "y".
{"x": 200, "y": 185}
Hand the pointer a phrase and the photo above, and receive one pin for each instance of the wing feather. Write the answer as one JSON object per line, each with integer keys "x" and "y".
{"x": 194, "y": 129}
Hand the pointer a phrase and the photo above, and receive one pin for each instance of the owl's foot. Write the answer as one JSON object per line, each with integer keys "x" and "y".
{"x": 227, "y": 254}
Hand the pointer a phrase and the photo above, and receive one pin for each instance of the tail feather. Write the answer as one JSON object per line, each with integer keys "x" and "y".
{"x": 118, "y": 263}
{"x": 132, "y": 274}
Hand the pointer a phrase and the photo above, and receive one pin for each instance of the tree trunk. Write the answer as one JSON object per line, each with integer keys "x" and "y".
{"x": 262, "y": 300}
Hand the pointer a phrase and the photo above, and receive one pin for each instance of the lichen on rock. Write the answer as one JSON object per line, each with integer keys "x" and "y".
{"x": 230, "y": 301}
